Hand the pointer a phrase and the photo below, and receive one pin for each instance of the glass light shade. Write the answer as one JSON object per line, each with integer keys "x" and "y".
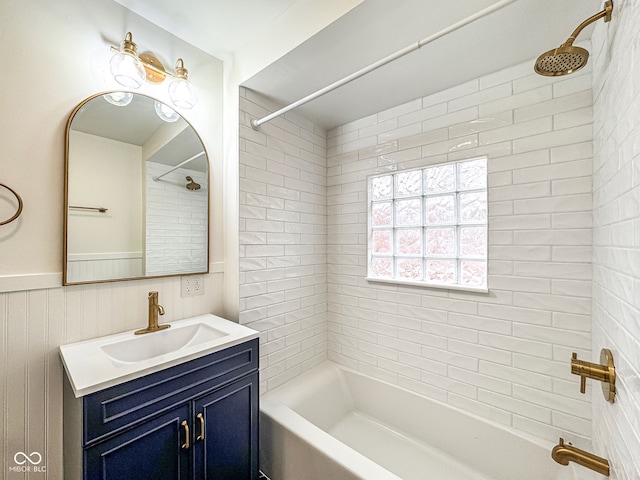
{"x": 120, "y": 99}
{"x": 181, "y": 93}
{"x": 127, "y": 70}
{"x": 165, "y": 112}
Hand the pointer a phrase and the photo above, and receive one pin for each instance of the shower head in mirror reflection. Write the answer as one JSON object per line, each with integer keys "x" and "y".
{"x": 192, "y": 185}
{"x": 131, "y": 70}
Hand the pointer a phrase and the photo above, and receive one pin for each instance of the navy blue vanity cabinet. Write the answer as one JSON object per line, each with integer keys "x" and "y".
{"x": 197, "y": 420}
{"x": 149, "y": 451}
{"x": 225, "y": 434}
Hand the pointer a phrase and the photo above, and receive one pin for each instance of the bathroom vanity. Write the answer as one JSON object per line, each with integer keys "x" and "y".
{"x": 188, "y": 413}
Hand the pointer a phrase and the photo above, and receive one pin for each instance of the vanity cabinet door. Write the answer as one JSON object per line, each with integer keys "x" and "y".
{"x": 154, "y": 450}
{"x": 226, "y": 432}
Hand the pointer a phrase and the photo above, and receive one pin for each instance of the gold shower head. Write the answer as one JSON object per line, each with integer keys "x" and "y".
{"x": 566, "y": 58}
{"x": 561, "y": 61}
{"x": 192, "y": 185}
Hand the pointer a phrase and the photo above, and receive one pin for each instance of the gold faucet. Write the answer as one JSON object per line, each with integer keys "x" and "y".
{"x": 563, "y": 454}
{"x": 604, "y": 372}
{"x": 154, "y": 310}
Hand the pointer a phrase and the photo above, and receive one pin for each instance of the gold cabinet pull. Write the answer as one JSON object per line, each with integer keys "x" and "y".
{"x": 201, "y": 418}
{"x": 185, "y": 425}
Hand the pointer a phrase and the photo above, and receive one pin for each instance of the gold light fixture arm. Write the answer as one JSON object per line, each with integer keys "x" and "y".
{"x": 128, "y": 46}
{"x": 155, "y": 71}
{"x": 181, "y": 72}
{"x": 606, "y": 14}
{"x": 131, "y": 70}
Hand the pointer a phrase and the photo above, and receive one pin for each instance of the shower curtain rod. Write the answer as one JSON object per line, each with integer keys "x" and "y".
{"x": 178, "y": 166}
{"x": 394, "y": 56}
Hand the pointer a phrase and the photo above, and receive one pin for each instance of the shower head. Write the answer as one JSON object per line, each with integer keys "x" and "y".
{"x": 192, "y": 185}
{"x": 561, "y": 61}
{"x": 567, "y": 58}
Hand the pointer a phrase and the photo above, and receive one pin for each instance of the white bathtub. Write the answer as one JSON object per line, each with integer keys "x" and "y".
{"x": 333, "y": 423}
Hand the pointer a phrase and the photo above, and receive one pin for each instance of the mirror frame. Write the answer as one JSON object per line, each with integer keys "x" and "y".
{"x": 65, "y": 280}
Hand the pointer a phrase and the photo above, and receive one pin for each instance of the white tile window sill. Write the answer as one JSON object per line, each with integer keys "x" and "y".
{"x": 463, "y": 288}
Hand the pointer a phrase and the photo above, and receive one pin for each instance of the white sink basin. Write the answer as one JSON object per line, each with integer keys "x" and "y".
{"x": 150, "y": 345}
{"x": 103, "y": 362}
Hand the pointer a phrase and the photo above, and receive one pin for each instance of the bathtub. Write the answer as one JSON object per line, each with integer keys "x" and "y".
{"x": 333, "y": 423}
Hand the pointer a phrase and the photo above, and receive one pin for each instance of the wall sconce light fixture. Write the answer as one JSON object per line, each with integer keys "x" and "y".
{"x": 131, "y": 70}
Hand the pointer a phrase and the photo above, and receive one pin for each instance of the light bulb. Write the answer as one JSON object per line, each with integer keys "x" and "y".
{"x": 120, "y": 99}
{"x": 127, "y": 70}
{"x": 181, "y": 93}
{"x": 165, "y": 112}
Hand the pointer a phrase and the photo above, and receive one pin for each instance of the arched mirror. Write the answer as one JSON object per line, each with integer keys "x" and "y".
{"x": 136, "y": 192}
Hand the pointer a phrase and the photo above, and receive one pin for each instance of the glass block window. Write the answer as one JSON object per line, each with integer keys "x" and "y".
{"x": 429, "y": 225}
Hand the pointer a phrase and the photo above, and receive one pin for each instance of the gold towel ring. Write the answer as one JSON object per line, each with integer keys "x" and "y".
{"x": 17, "y": 214}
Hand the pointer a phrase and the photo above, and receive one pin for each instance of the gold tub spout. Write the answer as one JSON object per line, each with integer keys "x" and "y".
{"x": 563, "y": 454}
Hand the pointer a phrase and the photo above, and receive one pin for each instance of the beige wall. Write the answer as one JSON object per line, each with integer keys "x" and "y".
{"x": 118, "y": 165}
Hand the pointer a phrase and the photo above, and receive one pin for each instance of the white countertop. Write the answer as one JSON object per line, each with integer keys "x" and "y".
{"x": 90, "y": 368}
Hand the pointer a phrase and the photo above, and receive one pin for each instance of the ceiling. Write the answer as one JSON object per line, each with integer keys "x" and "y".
{"x": 371, "y": 31}
{"x": 218, "y": 27}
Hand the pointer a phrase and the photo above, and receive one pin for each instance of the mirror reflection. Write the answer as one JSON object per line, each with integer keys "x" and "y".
{"x": 136, "y": 192}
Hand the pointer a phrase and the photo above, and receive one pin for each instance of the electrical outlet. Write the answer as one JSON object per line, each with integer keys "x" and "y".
{"x": 192, "y": 285}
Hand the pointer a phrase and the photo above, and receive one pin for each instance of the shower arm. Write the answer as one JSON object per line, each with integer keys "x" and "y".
{"x": 394, "y": 56}
{"x": 605, "y": 13}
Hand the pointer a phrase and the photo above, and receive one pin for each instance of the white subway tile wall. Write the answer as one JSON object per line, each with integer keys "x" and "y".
{"x": 503, "y": 355}
{"x": 616, "y": 243}
{"x": 176, "y": 227}
{"x": 499, "y": 355}
{"x": 283, "y": 239}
